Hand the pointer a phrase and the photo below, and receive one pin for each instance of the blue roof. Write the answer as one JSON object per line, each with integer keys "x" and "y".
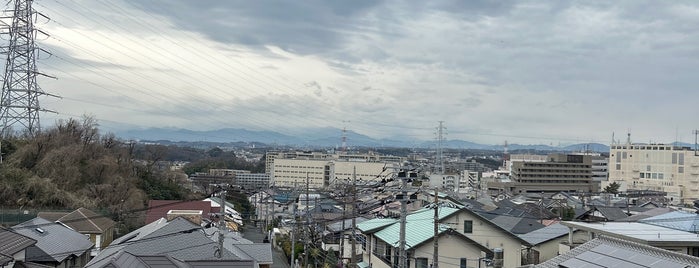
{"x": 678, "y": 220}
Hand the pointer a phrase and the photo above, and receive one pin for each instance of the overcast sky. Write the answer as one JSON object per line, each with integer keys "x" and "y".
{"x": 523, "y": 71}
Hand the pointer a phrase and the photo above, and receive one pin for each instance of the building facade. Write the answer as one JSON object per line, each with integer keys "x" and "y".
{"x": 656, "y": 167}
{"x": 557, "y": 173}
{"x": 290, "y": 169}
{"x": 323, "y": 173}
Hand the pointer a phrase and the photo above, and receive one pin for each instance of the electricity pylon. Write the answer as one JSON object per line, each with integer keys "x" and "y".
{"x": 19, "y": 102}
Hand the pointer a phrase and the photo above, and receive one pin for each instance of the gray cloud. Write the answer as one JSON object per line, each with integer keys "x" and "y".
{"x": 522, "y": 67}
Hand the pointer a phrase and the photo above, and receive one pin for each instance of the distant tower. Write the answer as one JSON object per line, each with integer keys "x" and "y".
{"x": 440, "y": 147}
{"x": 344, "y": 136}
{"x": 505, "y": 155}
{"x": 19, "y": 102}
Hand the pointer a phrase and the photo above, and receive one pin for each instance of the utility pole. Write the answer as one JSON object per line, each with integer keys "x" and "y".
{"x": 354, "y": 216}
{"x": 344, "y": 213}
{"x": 435, "y": 239}
{"x": 293, "y": 239}
{"x": 221, "y": 222}
{"x": 402, "y": 255}
{"x": 308, "y": 223}
{"x": 270, "y": 199}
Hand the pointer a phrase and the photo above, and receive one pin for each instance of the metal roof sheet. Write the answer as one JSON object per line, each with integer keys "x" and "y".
{"x": 678, "y": 220}
{"x": 419, "y": 227}
{"x": 547, "y": 233}
{"x": 637, "y": 231}
{"x": 11, "y": 243}
{"x": 54, "y": 242}
{"x": 373, "y": 224}
{"x": 612, "y": 252}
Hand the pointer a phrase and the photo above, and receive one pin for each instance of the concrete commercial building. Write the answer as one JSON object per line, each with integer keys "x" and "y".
{"x": 557, "y": 173}
{"x": 656, "y": 167}
{"x": 252, "y": 180}
{"x": 288, "y": 169}
{"x": 324, "y": 173}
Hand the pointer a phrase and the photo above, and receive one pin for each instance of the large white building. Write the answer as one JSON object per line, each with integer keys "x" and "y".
{"x": 324, "y": 170}
{"x": 657, "y": 167}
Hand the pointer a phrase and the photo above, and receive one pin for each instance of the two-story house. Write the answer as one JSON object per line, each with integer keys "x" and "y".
{"x": 468, "y": 238}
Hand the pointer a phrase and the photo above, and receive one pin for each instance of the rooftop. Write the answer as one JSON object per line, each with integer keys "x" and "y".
{"x": 639, "y": 232}
{"x": 612, "y": 252}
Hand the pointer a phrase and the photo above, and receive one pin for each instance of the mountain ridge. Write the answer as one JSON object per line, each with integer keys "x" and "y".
{"x": 322, "y": 137}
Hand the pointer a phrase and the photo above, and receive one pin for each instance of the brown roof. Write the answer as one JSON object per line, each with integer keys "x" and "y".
{"x": 86, "y": 221}
{"x": 158, "y": 208}
{"x": 51, "y": 215}
{"x": 11, "y": 243}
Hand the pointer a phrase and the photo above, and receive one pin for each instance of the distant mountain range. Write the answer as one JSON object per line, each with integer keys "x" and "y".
{"x": 326, "y": 137}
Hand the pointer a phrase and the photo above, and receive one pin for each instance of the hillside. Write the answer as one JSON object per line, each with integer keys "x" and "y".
{"x": 72, "y": 165}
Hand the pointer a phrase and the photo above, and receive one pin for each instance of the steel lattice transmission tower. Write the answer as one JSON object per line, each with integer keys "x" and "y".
{"x": 19, "y": 103}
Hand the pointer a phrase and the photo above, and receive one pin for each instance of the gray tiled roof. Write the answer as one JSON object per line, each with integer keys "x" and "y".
{"x": 178, "y": 239}
{"x": 11, "y": 243}
{"x": 54, "y": 243}
{"x": 613, "y": 252}
{"x": 547, "y": 233}
{"x": 261, "y": 252}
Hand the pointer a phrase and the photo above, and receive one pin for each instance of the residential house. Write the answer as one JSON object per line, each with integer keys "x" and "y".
{"x": 647, "y": 214}
{"x": 13, "y": 247}
{"x": 678, "y": 220}
{"x": 460, "y": 220}
{"x": 336, "y": 231}
{"x": 56, "y": 245}
{"x": 606, "y": 251}
{"x": 99, "y": 228}
{"x": 182, "y": 243}
{"x": 545, "y": 242}
{"x": 652, "y": 235}
{"x": 600, "y": 213}
{"x": 159, "y": 208}
{"x": 382, "y": 243}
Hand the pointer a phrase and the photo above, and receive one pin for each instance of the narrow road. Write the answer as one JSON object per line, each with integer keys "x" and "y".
{"x": 255, "y": 235}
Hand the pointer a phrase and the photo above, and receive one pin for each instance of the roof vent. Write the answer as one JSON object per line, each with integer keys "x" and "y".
{"x": 41, "y": 231}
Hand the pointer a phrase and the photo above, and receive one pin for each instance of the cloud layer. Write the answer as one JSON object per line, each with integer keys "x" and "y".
{"x": 525, "y": 71}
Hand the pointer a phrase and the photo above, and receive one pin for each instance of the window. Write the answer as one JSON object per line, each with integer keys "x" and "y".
{"x": 463, "y": 263}
{"x": 421, "y": 263}
{"x": 680, "y": 169}
{"x": 468, "y": 227}
{"x": 681, "y": 159}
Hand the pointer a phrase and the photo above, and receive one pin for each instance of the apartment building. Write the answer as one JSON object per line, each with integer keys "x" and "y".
{"x": 252, "y": 180}
{"x": 658, "y": 167}
{"x": 552, "y": 173}
{"x": 324, "y": 173}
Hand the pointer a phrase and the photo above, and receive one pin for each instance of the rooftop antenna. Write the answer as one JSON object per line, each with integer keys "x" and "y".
{"x": 628, "y": 137}
{"x": 613, "y": 141}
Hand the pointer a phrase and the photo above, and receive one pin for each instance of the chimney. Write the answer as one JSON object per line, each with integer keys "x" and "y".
{"x": 497, "y": 258}
{"x": 191, "y": 215}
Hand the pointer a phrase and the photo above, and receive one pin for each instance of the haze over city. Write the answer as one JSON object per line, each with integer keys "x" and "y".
{"x": 523, "y": 71}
